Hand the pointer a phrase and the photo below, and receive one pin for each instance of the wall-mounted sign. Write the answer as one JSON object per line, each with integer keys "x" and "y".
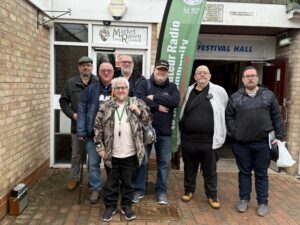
{"x": 236, "y": 47}
{"x": 120, "y": 35}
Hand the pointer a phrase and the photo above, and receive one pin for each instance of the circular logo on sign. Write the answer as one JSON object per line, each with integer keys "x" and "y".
{"x": 104, "y": 34}
{"x": 193, "y": 2}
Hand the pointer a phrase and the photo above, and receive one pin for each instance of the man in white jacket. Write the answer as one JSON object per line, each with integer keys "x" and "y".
{"x": 202, "y": 133}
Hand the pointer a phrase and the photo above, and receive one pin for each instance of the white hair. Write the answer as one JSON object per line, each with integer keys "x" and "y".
{"x": 119, "y": 79}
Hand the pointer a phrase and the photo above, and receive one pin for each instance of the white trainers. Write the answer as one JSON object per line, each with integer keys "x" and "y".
{"x": 162, "y": 199}
{"x": 137, "y": 197}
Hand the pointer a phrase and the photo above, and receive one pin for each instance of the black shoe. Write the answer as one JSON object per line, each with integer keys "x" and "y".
{"x": 108, "y": 213}
{"x": 129, "y": 213}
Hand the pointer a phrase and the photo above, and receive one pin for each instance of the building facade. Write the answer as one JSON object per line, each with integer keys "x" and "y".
{"x": 39, "y": 54}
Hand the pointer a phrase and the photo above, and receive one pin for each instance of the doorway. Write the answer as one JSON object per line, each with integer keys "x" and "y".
{"x": 228, "y": 75}
{"x": 66, "y": 63}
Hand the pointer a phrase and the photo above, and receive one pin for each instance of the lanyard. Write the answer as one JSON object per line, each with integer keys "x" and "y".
{"x": 120, "y": 116}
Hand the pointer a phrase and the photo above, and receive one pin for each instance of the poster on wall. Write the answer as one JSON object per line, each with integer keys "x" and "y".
{"x": 177, "y": 43}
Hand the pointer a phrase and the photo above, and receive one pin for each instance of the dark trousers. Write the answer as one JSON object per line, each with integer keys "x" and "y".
{"x": 123, "y": 169}
{"x": 194, "y": 153}
{"x": 254, "y": 156}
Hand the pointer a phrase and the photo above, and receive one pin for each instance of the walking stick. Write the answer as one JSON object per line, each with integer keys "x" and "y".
{"x": 81, "y": 172}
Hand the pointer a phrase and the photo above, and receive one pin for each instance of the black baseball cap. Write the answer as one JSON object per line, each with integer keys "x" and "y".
{"x": 85, "y": 59}
{"x": 162, "y": 64}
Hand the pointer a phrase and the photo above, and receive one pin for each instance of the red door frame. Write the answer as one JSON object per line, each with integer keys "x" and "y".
{"x": 275, "y": 78}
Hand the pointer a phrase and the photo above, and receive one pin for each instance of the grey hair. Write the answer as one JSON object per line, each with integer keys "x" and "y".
{"x": 119, "y": 79}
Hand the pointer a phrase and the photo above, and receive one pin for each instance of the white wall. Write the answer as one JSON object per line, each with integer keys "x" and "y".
{"x": 151, "y": 11}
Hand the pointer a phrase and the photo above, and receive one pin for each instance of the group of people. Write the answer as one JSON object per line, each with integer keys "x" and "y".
{"x": 108, "y": 116}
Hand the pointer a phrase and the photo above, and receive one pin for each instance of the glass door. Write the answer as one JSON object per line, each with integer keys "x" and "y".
{"x": 66, "y": 58}
{"x": 114, "y": 57}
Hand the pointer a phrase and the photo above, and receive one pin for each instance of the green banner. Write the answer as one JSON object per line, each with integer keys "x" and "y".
{"x": 177, "y": 44}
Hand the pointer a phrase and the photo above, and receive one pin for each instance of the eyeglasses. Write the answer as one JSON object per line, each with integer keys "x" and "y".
{"x": 120, "y": 88}
{"x": 250, "y": 76}
{"x": 106, "y": 71}
{"x": 202, "y": 73}
{"x": 126, "y": 62}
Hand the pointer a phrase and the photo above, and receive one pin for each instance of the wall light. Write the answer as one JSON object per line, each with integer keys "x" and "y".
{"x": 284, "y": 42}
{"x": 117, "y": 9}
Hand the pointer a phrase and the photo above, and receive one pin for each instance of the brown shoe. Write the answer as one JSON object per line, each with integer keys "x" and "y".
{"x": 187, "y": 197}
{"x": 214, "y": 203}
{"x": 72, "y": 185}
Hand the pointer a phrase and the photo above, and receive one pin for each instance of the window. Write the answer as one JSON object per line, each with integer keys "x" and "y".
{"x": 66, "y": 63}
{"x": 71, "y": 32}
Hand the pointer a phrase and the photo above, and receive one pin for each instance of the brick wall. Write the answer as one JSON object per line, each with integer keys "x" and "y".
{"x": 292, "y": 52}
{"x": 154, "y": 40}
{"x": 24, "y": 97}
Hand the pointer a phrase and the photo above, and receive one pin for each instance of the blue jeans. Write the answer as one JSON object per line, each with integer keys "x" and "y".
{"x": 94, "y": 161}
{"x": 254, "y": 156}
{"x": 162, "y": 149}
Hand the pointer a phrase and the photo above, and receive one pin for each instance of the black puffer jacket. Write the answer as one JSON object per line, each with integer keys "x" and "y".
{"x": 250, "y": 119}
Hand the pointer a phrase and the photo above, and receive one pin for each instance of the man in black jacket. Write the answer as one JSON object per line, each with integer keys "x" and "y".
{"x": 251, "y": 115}
{"x": 127, "y": 71}
{"x": 68, "y": 101}
{"x": 162, "y": 97}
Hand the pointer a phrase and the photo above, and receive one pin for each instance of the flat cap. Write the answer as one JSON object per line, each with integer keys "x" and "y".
{"x": 85, "y": 59}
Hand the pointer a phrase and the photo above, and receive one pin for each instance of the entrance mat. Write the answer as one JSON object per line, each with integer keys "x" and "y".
{"x": 156, "y": 212}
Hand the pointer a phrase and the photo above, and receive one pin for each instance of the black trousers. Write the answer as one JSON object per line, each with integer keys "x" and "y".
{"x": 194, "y": 154}
{"x": 119, "y": 177}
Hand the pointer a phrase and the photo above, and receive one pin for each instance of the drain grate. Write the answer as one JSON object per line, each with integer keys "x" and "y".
{"x": 156, "y": 212}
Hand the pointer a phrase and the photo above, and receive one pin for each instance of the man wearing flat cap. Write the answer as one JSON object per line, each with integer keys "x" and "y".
{"x": 69, "y": 100}
{"x": 162, "y": 97}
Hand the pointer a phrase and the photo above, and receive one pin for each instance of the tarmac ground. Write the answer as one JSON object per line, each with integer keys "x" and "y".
{"x": 50, "y": 203}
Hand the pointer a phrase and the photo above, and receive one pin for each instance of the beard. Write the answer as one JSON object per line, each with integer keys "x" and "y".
{"x": 160, "y": 80}
{"x": 127, "y": 71}
{"x": 86, "y": 75}
{"x": 251, "y": 86}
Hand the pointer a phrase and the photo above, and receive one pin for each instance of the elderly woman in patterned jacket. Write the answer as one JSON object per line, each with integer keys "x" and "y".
{"x": 119, "y": 140}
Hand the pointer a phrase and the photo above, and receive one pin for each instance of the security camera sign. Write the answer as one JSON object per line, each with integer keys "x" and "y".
{"x": 120, "y": 36}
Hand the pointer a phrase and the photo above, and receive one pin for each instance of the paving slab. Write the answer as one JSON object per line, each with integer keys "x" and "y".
{"x": 50, "y": 203}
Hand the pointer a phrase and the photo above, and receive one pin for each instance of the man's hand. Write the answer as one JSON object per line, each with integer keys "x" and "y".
{"x": 82, "y": 138}
{"x": 274, "y": 141}
{"x": 162, "y": 108}
{"x": 102, "y": 154}
{"x": 74, "y": 116}
{"x": 150, "y": 97}
{"x": 134, "y": 108}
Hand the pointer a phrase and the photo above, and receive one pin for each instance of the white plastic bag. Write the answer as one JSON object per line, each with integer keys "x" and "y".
{"x": 285, "y": 159}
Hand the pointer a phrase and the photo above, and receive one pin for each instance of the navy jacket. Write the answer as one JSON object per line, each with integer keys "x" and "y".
{"x": 88, "y": 107}
{"x": 166, "y": 95}
{"x": 250, "y": 119}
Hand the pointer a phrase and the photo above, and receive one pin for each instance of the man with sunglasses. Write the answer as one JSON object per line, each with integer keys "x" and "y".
{"x": 127, "y": 70}
{"x": 251, "y": 114}
{"x": 87, "y": 110}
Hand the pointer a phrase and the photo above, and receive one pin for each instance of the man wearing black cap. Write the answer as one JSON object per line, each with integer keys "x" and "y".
{"x": 162, "y": 97}
{"x": 69, "y": 100}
